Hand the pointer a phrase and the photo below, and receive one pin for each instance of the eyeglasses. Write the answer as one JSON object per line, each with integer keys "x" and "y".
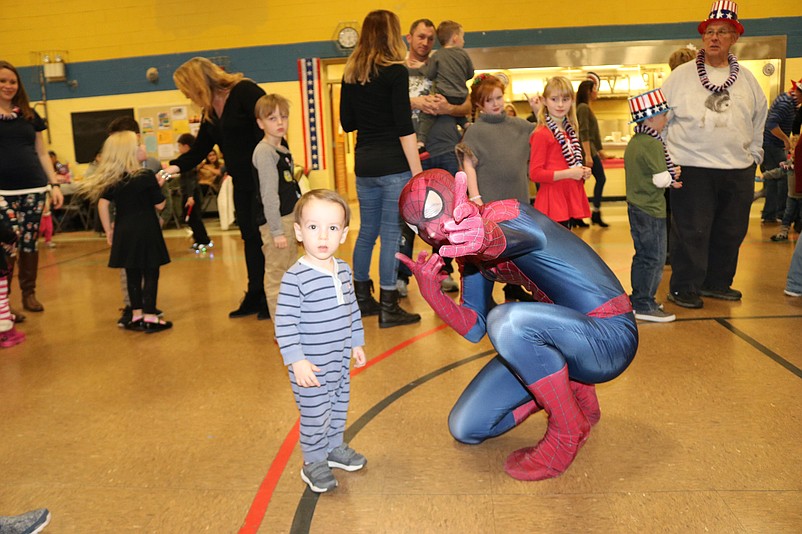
{"x": 717, "y": 33}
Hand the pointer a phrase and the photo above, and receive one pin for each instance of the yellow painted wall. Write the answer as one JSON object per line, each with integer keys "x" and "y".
{"x": 92, "y": 30}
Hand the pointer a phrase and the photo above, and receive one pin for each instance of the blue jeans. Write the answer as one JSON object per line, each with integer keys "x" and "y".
{"x": 446, "y": 161}
{"x": 649, "y": 236}
{"x": 776, "y": 190}
{"x": 793, "y": 211}
{"x": 378, "y": 212}
{"x": 794, "y": 282}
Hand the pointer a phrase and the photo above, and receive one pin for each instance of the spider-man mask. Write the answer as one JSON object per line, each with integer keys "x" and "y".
{"x": 426, "y": 203}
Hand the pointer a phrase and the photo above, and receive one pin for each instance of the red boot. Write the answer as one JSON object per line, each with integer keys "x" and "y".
{"x": 567, "y": 431}
{"x": 585, "y": 395}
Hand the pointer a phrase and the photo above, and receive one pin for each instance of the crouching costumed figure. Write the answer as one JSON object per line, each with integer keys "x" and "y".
{"x": 551, "y": 353}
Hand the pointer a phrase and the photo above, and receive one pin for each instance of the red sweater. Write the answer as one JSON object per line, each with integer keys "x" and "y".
{"x": 560, "y": 200}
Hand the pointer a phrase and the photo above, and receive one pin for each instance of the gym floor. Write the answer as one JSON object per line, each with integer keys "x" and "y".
{"x": 194, "y": 429}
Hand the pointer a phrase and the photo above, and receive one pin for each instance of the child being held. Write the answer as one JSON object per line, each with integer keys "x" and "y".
{"x": 449, "y": 68}
{"x": 279, "y": 192}
{"x": 649, "y": 170}
{"x": 319, "y": 329}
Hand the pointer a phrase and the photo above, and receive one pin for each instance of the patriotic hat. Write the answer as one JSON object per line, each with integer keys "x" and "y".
{"x": 723, "y": 10}
{"x": 796, "y": 86}
{"x": 647, "y": 105}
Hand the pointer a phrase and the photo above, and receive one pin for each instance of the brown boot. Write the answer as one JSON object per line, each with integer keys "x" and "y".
{"x": 28, "y": 269}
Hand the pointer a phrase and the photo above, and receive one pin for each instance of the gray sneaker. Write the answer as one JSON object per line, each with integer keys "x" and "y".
{"x": 401, "y": 286}
{"x": 449, "y": 285}
{"x": 319, "y": 477}
{"x": 344, "y": 457}
{"x": 655, "y": 316}
{"x": 27, "y": 523}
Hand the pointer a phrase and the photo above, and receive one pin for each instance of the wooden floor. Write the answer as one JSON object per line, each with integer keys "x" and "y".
{"x": 192, "y": 430}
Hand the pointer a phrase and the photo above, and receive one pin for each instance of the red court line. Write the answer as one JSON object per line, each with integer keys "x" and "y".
{"x": 258, "y": 508}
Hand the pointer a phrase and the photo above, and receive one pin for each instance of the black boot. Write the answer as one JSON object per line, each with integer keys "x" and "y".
{"x": 579, "y": 223}
{"x": 514, "y": 292}
{"x": 364, "y": 297}
{"x": 391, "y": 313}
{"x": 251, "y": 304}
{"x": 595, "y": 218}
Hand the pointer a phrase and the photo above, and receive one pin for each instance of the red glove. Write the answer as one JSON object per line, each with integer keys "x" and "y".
{"x": 429, "y": 273}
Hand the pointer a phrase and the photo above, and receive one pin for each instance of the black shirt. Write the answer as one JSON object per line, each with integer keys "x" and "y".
{"x": 381, "y": 113}
{"x": 20, "y": 166}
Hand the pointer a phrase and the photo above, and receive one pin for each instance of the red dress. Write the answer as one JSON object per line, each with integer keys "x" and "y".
{"x": 560, "y": 200}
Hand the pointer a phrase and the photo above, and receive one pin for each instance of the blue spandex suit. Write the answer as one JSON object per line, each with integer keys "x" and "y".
{"x": 581, "y": 332}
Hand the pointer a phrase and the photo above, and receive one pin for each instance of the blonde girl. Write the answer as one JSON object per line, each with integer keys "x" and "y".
{"x": 135, "y": 237}
{"x": 556, "y": 161}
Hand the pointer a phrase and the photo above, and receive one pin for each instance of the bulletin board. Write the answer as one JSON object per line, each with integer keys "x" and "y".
{"x": 162, "y": 125}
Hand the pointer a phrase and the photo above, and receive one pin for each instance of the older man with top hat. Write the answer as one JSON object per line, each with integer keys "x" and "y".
{"x": 716, "y": 135}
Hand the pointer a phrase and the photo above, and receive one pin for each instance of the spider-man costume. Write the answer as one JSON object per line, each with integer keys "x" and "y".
{"x": 551, "y": 353}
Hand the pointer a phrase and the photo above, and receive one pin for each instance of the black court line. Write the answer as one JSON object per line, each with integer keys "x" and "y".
{"x": 305, "y": 510}
{"x": 762, "y": 348}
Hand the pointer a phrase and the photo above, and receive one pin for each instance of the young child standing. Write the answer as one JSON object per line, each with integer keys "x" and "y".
{"x": 649, "y": 171}
{"x": 279, "y": 192}
{"x": 190, "y": 196}
{"x": 449, "y": 68}
{"x": 319, "y": 329}
{"x": 136, "y": 239}
{"x": 556, "y": 160}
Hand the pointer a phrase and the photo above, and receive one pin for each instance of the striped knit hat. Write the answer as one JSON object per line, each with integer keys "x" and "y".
{"x": 722, "y": 10}
{"x": 647, "y": 105}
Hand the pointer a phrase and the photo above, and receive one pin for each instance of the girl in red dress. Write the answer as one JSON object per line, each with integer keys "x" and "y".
{"x": 556, "y": 161}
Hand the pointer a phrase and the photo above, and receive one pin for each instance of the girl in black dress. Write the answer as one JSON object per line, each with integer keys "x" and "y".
{"x": 136, "y": 240}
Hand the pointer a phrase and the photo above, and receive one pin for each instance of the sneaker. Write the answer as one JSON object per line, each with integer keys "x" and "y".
{"x": 792, "y": 293}
{"x": 401, "y": 286}
{"x": 200, "y": 248}
{"x": 27, "y": 523}
{"x": 9, "y": 338}
{"x": 319, "y": 477}
{"x": 782, "y": 236}
{"x": 449, "y": 285}
{"x": 722, "y": 294}
{"x": 50, "y": 244}
{"x": 125, "y": 318}
{"x": 686, "y": 299}
{"x": 655, "y": 316}
{"x": 344, "y": 457}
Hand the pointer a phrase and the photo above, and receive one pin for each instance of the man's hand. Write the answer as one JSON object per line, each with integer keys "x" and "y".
{"x": 305, "y": 374}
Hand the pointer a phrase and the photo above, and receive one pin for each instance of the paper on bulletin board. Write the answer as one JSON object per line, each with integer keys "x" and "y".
{"x": 147, "y": 124}
{"x": 151, "y": 143}
{"x": 164, "y": 120}
{"x": 181, "y": 126}
{"x": 179, "y": 113}
{"x": 166, "y": 151}
{"x": 165, "y": 138}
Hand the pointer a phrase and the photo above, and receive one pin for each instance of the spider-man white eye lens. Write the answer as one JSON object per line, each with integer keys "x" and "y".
{"x": 413, "y": 228}
{"x": 433, "y": 206}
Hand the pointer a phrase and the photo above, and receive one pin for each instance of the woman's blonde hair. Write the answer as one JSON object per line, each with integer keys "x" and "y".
{"x": 118, "y": 159}
{"x": 380, "y": 44}
{"x": 559, "y": 85}
{"x": 199, "y": 78}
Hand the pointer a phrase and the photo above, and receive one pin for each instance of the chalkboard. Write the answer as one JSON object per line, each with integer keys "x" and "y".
{"x": 89, "y": 131}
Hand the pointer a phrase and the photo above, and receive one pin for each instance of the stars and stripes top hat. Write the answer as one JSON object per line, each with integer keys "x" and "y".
{"x": 723, "y": 10}
{"x": 646, "y": 105}
{"x": 796, "y": 86}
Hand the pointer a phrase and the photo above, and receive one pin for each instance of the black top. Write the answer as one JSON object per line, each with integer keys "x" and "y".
{"x": 381, "y": 112}
{"x": 236, "y": 133}
{"x": 137, "y": 242}
{"x": 20, "y": 166}
{"x": 797, "y": 122}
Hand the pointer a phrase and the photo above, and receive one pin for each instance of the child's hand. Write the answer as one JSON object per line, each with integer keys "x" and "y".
{"x": 358, "y": 354}
{"x": 279, "y": 241}
{"x": 677, "y": 172}
{"x": 676, "y": 184}
{"x": 190, "y": 202}
{"x": 305, "y": 374}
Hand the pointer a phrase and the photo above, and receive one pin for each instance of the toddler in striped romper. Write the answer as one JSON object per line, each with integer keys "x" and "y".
{"x": 318, "y": 329}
